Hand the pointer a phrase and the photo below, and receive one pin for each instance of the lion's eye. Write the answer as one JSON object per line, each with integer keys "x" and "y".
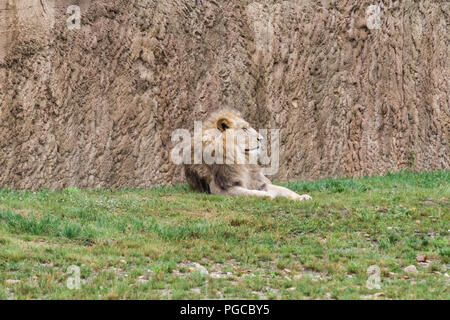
{"x": 245, "y": 129}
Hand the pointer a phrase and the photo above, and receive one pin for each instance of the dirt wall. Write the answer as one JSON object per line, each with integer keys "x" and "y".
{"x": 353, "y": 93}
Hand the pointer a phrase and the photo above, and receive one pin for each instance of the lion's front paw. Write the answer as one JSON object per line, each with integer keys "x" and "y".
{"x": 305, "y": 197}
{"x": 300, "y": 197}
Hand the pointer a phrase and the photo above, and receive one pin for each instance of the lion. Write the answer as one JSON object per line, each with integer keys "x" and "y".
{"x": 235, "y": 178}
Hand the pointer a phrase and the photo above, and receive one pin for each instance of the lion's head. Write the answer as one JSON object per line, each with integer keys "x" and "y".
{"x": 227, "y": 134}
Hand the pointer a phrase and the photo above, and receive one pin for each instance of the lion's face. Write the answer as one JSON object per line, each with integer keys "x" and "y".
{"x": 232, "y": 138}
{"x": 246, "y": 139}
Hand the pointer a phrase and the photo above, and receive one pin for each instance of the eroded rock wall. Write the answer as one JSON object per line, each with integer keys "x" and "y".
{"x": 96, "y": 106}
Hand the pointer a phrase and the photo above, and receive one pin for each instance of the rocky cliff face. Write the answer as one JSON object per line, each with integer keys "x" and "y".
{"x": 355, "y": 90}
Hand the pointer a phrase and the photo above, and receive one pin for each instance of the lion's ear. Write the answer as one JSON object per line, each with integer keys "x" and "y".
{"x": 223, "y": 124}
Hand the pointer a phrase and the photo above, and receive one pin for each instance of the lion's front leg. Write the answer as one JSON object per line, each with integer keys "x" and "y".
{"x": 285, "y": 192}
{"x": 240, "y": 191}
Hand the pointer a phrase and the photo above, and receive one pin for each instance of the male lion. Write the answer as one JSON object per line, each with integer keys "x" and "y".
{"x": 235, "y": 178}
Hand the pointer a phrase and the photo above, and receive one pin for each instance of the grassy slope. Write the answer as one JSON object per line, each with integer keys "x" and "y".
{"x": 141, "y": 243}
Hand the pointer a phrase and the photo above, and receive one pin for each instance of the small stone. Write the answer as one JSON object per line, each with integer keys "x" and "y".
{"x": 123, "y": 261}
{"x": 201, "y": 269}
{"x": 142, "y": 281}
{"x": 378, "y": 294}
{"x": 411, "y": 270}
{"x": 12, "y": 281}
{"x": 421, "y": 258}
{"x": 196, "y": 290}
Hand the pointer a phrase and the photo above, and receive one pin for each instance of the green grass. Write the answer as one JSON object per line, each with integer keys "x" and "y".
{"x": 144, "y": 243}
